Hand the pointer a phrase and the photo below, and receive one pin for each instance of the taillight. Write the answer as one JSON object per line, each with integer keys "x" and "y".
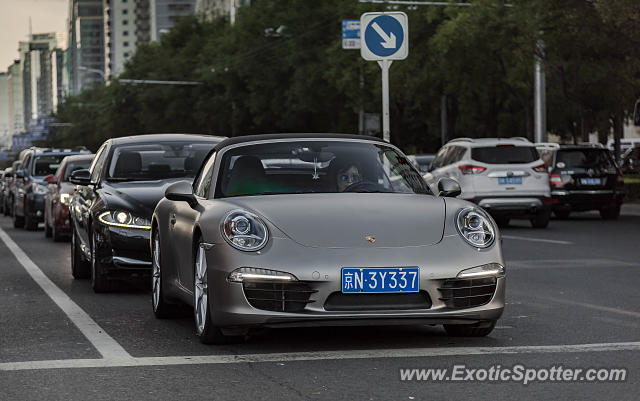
{"x": 555, "y": 180}
{"x": 542, "y": 168}
{"x": 619, "y": 179}
{"x": 471, "y": 169}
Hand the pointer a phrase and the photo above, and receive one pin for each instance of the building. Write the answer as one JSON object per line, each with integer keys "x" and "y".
{"x": 86, "y": 45}
{"x": 126, "y": 24}
{"x": 38, "y": 77}
{"x": 4, "y": 109}
{"x": 15, "y": 94}
{"x": 165, "y": 14}
{"x": 220, "y": 8}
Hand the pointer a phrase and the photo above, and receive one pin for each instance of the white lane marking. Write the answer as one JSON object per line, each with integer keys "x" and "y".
{"x": 104, "y": 343}
{"x": 318, "y": 356}
{"x": 548, "y": 241}
{"x": 595, "y": 307}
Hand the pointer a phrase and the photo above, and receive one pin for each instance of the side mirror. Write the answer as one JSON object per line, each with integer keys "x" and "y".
{"x": 80, "y": 177}
{"x": 448, "y": 187}
{"x": 20, "y": 174}
{"x": 50, "y": 179}
{"x": 181, "y": 191}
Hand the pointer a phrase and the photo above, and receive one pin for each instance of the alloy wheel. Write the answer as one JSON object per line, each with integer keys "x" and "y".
{"x": 200, "y": 290}
{"x": 155, "y": 274}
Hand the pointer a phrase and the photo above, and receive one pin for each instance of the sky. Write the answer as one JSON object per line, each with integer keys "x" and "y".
{"x": 46, "y": 16}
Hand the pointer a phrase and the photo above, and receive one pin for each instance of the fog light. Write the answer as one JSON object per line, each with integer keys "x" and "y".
{"x": 488, "y": 270}
{"x": 255, "y": 274}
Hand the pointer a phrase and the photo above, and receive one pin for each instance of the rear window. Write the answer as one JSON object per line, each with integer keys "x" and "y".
{"x": 45, "y": 165}
{"x": 75, "y": 165}
{"x": 584, "y": 159}
{"x": 505, "y": 154}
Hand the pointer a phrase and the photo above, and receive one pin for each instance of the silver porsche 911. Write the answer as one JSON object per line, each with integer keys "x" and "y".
{"x": 292, "y": 230}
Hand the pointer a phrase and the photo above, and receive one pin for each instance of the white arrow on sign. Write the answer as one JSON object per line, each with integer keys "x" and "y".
{"x": 389, "y": 41}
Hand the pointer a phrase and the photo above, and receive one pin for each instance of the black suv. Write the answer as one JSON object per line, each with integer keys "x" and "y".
{"x": 30, "y": 188}
{"x": 585, "y": 177}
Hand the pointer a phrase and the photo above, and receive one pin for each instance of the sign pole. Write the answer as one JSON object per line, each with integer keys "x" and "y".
{"x": 386, "y": 131}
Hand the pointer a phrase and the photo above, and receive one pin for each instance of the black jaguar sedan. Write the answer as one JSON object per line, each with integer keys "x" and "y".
{"x": 113, "y": 203}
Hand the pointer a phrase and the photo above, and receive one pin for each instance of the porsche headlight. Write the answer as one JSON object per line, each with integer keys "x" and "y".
{"x": 124, "y": 219}
{"x": 476, "y": 227}
{"x": 488, "y": 270}
{"x": 65, "y": 199}
{"x": 244, "y": 231}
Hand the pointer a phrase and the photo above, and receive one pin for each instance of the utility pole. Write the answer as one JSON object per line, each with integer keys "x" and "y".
{"x": 540, "y": 106}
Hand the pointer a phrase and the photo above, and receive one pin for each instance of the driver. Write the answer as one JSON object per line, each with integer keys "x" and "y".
{"x": 347, "y": 177}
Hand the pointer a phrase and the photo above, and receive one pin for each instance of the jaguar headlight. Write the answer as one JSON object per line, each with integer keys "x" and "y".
{"x": 244, "y": 231}
{"x": 476, "y": 227}
{"x": 124, "y": 219}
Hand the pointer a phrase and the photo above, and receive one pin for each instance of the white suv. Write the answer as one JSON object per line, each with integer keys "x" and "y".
{"x": 504, "y": 176}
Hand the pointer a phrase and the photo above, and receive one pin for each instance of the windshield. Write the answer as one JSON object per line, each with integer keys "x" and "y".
{"x": 316, "y": 167}
{"x": 580, "y": 160}
{"x": 505, "y": 154}
{"x": 157, "y": 161}
{"x": 75, "y": 165}
{"x": 45, "y": 165}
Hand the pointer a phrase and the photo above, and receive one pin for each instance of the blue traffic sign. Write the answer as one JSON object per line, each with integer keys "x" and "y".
{"x": 384, "y": 36}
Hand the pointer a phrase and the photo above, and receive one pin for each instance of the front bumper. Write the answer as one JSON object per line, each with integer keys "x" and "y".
{"x": 123, "y": 251}
{"x": 583, "y": 200}
{"x": 319, "y": 269}
{"x": 514, "y": 207}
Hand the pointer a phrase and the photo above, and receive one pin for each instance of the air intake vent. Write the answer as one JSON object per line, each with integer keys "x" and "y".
{"x": 278, "y": 297}
{"x": 467, "y": 293}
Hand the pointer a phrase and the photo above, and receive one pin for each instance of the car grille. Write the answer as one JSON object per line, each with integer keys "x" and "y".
{"x": 278, "y": 297}
{"x": 338, "y": 301}
{"x": 467, "y": 293}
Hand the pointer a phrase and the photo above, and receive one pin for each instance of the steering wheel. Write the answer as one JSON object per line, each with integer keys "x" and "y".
{"x": 364, "y": 186}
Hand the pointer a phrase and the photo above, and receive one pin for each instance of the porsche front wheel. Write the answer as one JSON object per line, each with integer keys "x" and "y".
{"x": 205, "y": 328}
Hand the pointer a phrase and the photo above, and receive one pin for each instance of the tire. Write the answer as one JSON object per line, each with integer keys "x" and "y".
{"x": 47, "y": 229}
{"x": 469, "y": 330}
{"x": 18, "y": 222}
{"x": 99, "y": 280}
{"x": 57, "y": 237}
{"x": 161, "y": 309}
{"x": 30, "y": 223}
{"x": 562, "y": 214}
{"x": 79, "y": 266}
{"x": 541, "y": 220}
{"x": 610, "y": 213}
{"x": 206, "y": 329}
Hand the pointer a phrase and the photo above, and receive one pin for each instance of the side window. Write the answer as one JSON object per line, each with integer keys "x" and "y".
{"x": 98, "y": 162}
{"x": 204, "y": 180}
{"x": 450, "y": 156}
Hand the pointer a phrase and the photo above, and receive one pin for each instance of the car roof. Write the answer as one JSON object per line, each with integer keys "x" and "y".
{"x": 146, "y": 138}
{"x": 478, "y": 142}
{"x": 302, "y": 136}
{"x": 54, "y": 151}
{"x": 84, "y": 156}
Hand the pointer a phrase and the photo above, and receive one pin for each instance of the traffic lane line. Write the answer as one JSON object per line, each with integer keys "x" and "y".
{"x": 103, "y": 343}
{"x": 318, "y": 356}
{"x": 531, "y": 239}
{"x": 595, "y": 307}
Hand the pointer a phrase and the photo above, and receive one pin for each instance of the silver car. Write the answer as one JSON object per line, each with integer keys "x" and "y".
{"x": 292, "y": 230}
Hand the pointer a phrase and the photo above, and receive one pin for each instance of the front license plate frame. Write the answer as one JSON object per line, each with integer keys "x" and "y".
{"x": 380, "y": 280}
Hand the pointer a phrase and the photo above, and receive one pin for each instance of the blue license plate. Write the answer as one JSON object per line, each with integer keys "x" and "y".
{"x": 590, "y": 181}
{"x": 510, "y": 180}
{"x": 380, "y": 279}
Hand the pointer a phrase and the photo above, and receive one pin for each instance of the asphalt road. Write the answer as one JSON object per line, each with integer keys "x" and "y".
{"x": 572, "y": 300}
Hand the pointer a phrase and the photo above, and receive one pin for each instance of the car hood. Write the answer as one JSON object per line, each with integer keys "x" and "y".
{"x": 138, "y": 197}
{"x": 345, "y": 220}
